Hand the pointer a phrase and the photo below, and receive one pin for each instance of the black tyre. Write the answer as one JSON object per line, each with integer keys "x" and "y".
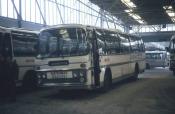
{"x": 107, "y": 81}
{"x": 136, "y": 73}
{"x": 30, "y": 81}
{"x": 148, "y": 66}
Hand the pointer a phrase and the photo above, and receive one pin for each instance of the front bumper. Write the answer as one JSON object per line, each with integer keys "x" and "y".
{"x": 64, "y": 82}
{"x": 68, "y": 86}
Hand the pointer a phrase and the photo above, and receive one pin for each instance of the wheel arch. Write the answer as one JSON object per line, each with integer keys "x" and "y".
{"x": 29, "y": 78}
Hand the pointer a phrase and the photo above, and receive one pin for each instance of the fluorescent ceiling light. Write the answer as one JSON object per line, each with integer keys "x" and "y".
{"x": 131, "y": 6}
{"x": 135, "y": 16}
{"x": 170, "y": 12}
{"x": 128, "y": 3}
{"x": 167, "y": 7}
{"x": 141, "y": 21}
{"x": 128, "y": 11}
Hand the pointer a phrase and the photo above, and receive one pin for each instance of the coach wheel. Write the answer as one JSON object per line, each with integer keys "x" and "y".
{"x": 174, "y": 72}
{"x": 136, "y": 72}
{"x": 107, "y": 81}
{"x": 147, "y": 66}
{"x": 30, "y": 81}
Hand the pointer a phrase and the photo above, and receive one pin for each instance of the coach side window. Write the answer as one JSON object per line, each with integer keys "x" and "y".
{"x": 143, "y": 45}
{"x": 139, "y": 45}
{"x": 142, "y": 48}
{"x": 117, "y": 43}
{"x": 134, "y": 44}
{"x": 124, "y": 43}
{"x": 101, "y": 41}
{"x": 112, "y": 42}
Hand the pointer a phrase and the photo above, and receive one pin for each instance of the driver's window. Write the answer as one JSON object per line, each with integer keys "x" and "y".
{"x": 83, "y": 46}
{"x": 89, "y": 37}
{"x": 7, "y": 45}
{"x": 89, "y": 34}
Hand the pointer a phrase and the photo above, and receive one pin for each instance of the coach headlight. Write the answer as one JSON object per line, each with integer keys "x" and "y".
{"x": 44, "y": 76}
{"x": 82, "y": 79}
{"x": 75, "y": 74}
{"x": 81, "y": 74}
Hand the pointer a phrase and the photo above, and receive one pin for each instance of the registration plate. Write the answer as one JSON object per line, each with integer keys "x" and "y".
{"x": 59, "y": 75}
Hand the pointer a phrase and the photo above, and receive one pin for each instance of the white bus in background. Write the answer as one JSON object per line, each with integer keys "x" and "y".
{"x": 156, "y": 59}
{"x": 21, "y": 47}
{"x": 77, "y": 56}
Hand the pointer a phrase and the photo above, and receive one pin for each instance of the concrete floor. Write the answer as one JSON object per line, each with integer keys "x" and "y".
{"x": 153, "y": 93}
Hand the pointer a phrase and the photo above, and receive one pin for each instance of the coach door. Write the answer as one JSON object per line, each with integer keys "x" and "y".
{"x": 96, "y": 60}
{"x": 95, "y": 56}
